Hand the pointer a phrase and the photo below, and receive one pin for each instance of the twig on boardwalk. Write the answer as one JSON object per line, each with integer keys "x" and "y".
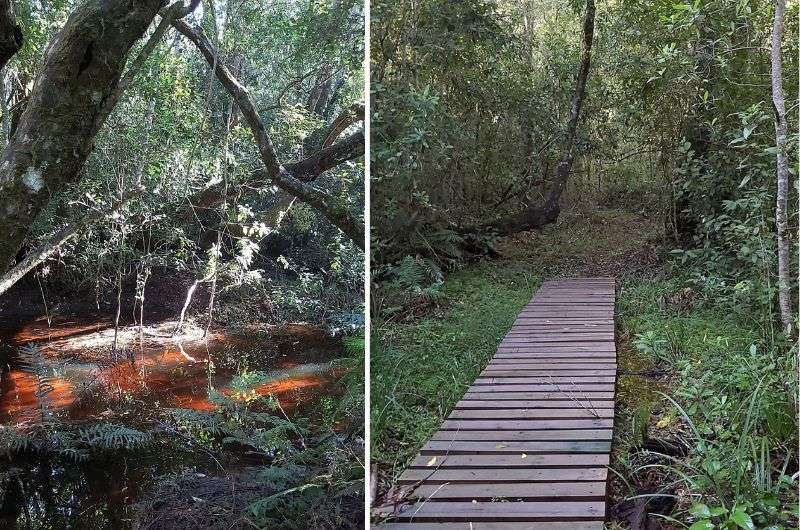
{"x": 590, "y": 408}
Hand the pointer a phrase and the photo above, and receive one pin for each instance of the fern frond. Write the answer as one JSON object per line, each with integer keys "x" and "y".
{"x": 109, "y": 436}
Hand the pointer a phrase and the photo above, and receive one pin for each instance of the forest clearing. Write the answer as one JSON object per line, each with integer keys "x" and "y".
{"x": 181, "y": 265}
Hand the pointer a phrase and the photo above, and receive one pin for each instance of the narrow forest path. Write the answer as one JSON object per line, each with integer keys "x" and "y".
{"x": 530, "y": 440}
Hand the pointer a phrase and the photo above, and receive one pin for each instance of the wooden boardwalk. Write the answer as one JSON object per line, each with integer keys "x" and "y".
{"x": 528, "y": 445}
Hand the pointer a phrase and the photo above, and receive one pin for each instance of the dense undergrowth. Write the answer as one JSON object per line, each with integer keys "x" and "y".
{"x": 706, "y": 433}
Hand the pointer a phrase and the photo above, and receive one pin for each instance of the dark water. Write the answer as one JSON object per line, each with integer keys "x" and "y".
{"x": 87, "y": 382}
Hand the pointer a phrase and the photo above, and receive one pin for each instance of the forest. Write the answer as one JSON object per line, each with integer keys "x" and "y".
{"x": 651, "y": 142}
{"x": 182, "y": 264}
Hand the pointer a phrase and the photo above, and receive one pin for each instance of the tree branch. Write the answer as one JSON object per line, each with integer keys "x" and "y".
{"x": 312, "y": 167}
{"x": 273, "y": 170}
{"x": 46, "y": 249}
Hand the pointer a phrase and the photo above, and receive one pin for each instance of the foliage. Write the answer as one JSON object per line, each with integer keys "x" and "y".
{"x": 75, "y": 443}
{"x": 236, "y": 423}
{"x": 733, "y": 404}
{"x": 31, "y": 360}
{"x": 453, "y": 147}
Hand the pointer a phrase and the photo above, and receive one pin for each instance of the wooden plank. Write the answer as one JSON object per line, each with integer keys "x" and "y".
{"x": 529, "y": 414}
{"x": 440, "y": 475}
{"x": 482, "y": 385}
{"x": 500, "y": 511}
{"x": 536, "y": 346}
{"x": 565, "y": 364}
{"x": 523, "y": 370}
{"x": 543, "y": 379}
{"x": 454, "y": 447}
{"x": 542, "y": 397}
{"x": 552, "y": 435}
{"x": 520, "y": 491}
{"x": 556, "y": 329}
{"x": 511, "y": 461}
{"x": 577, "y": 389}
{"x": 526, "y": 425}
{"x": 530, "y": 404}
{"x": 534, "y": 336}
{"x": 561, "y": 356}
{"x": 551, "y": 525}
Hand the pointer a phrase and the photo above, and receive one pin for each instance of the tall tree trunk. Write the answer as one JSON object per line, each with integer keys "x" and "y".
{"x": 781, "y": 221}
{"x": 540, "y": 215}
{"x": 10, "y": 32}
{"x": 66, "y": 108}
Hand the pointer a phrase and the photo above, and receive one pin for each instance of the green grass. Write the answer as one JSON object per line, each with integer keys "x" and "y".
{"x": 420, "y": 370}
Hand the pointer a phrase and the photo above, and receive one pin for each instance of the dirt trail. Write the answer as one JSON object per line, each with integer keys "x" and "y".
{"x": 588, "y": 242}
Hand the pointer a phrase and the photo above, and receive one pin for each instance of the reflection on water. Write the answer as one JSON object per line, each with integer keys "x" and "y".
{"x": 161, "y": 371}
{"x": 165, "y": 370}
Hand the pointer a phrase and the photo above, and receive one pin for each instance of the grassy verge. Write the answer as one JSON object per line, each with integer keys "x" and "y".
{"x": 706, "y": 411}
{"x": 420, "y": 369}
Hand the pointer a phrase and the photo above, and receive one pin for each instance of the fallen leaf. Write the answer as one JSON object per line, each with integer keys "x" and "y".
{"x": 431, "y": 462}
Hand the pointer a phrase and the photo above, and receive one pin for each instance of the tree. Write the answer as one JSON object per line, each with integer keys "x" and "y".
{"x": 10, "y": 33}
{"x": 537, "y": 215}
{"x": 782, "y": 162}
{"x": 65, "y": 110}
{"x": 274, "y": 171}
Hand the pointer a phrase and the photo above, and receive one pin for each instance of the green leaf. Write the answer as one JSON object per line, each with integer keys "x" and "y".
{"x": 700, "y": 510}
{"x": 704, "y": 524}
{"x": 742, "y": 520}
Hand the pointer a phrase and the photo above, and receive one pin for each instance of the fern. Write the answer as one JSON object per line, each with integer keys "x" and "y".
{"x": 13, "y": 441}
{"x": 108, "y": 436}
{"x": 417, "y": 276}
{"x": 233, "y": 423}
{"x": 33, "y": 362}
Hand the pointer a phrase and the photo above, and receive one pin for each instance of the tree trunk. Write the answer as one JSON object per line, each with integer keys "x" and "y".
{"x": 10, "y": 33}
{"x": 781, "y": 221}
{"x": 540, "y": 215}
{"x": 47, "y": 248}
{"x": 66, "y": 108}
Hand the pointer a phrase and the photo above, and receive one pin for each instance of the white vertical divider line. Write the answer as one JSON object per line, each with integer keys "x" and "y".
{"x": 367, "y": 282}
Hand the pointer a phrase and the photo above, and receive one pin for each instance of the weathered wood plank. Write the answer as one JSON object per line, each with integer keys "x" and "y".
{"x": 547, "y": 365}
{"x": 520, "y": 491}
{"x": 543, "y": 397}
{"x": 551, "y": 435}
{"x": 528, "y": 413}
{"x": 511, "y": 446}
{"x": 532, "y": 425}
{"x": 559, "y": 381}
{"x": 535, "y": 405}
{"x": 574, "y": 525}
{"x": 499, "y": 511}
{"x": 495, "y": 476}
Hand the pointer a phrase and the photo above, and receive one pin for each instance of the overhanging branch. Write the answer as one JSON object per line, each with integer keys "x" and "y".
{"x": 273, "y": 169}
